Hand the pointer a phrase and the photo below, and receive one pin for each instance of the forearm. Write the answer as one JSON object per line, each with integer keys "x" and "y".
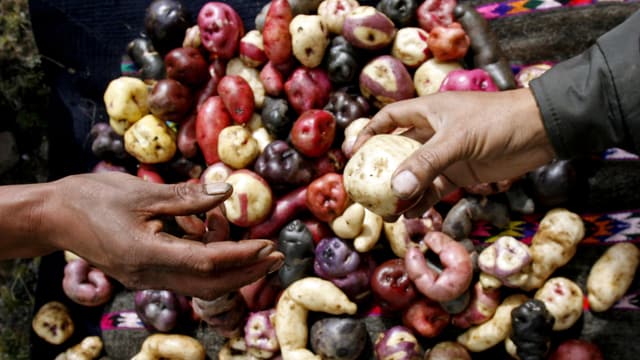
{"x": 22, "y": 220}
{"x": 592, "y": 102}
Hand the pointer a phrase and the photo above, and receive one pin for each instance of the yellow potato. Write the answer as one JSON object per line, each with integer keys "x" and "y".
{"x": 150, "y": 140}
{"x": 53, "y": 323}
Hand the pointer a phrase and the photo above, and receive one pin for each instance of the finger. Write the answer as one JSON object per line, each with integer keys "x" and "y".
{"x": 417, "y": 173}
{"x": 223, "y": 282}
{"x": 440, "y": 187}
{"x": 185, "y": 198}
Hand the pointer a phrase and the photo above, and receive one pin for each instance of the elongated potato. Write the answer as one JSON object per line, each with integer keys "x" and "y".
{"x": 492, "y": 332}
{"x": 170, "y": 346}
{"x": 611, "y": 275}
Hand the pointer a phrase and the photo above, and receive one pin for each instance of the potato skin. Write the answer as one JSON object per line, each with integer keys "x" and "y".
{"x": 611, "y": 275}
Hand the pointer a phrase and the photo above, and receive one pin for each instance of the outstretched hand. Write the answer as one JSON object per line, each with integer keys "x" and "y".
{"x": 112, "y": 220}
{"x": 468, "y": 138}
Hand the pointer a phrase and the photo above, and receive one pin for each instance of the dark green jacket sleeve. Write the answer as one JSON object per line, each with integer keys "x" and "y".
{"x": 592, "y": 101}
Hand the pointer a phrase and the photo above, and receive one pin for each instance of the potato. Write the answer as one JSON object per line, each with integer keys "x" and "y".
{"x": 333, "y": 13}
{"x": 429, "y": 76}
{"x": 235, "y": 66}
{"x": 367, "y": 28}
{"x": 150, "y": 140}
{"x": 338, "y": 338}
{"x": 410, "y": 46}
{"x": 492, "y": 332}
{"x": 88, "y": 349}
{"x": 611, "y": 275}
{"x": 367, "y": 175}
{"x": 126, "y": 101}
{"x": 563, "y": 298}
{"x": 236, "y": 147}
{"x": 385, "y": 80}
{"x": 251, "y": 201}
{"x": 53, "y": 323}
{"x": 170, "y": 346}
{"x": 310, "y": 39}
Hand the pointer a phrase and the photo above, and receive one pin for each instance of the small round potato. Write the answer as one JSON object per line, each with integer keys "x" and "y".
{"x": 410, "y": 46}
{"x": 150, "y": 141}
{"x": 333, "y": 13}
{"x": 53, "y": 323}
{"x": 251, "y": 201}
{"x": 236, "y": 147}
{"x": 563, "y": 298}
{"x": 367, "y": 175}
{"x": 310, "y": 38}
{"x": 126, "y": 101}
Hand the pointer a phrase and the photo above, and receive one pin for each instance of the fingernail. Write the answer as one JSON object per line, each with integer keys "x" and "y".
{"x": 216, "y": 188}
{"x": 266, "y": 251}
{"x": 276, "y": 266}
{"x": 404, "y": 184}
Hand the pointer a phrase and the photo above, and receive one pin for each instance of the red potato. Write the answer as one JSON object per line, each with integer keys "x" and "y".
{"x": 217, "y": 70}
{"x": 272, "y": 80}
{"x": 251, "y": 201}
{"x": 186, "y": 65}
{"x": 391, "y": 285}
{"x": 237, "y": 96}
{"x": 576, "y": 349}
{"x": 448, "y": 43}
{"x": 148, "y": 173}
{"x": 275, "y": 34}
{"x": 432, "y": 13}
{"x": 170, "y": 100}
{"x": 326, "y": 197}
{"x": 86, "y": 285}
{"x": 385, "y": 80}
{"x": 367, "y": 28}
{"x": 426, "y": 318}
{"x": 186, "y": 138}
{"x": 313, "y": 132}
{"x": 471, "y": 80}
{"x": 286, "y": 209}
{"x": 212, "y": 118}
{"x": 308, "y": 89}
{"x": 221, "y": 29}
{"x": 251, "y": 50}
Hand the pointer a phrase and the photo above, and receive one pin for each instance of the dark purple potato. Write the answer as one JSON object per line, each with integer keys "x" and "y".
{"x": 145, "y": 57}
{"x": 346, "y": 107}
{"x": 187, "y": 65}
{"x": 160, "y": 310}
{"x": 401, "y": 12}
{"x": 296, "y": 243}
{"x": 166, "y": 22}
{"x": 283, "y": 167}
{"x": 551, "y": 184}
{"x": 335, "y": 258}
{"x": 170, "y": 100}
{"x": 343, "y": 61}
{"x": 336, "y": 338}
{"x": 278, "y": 117}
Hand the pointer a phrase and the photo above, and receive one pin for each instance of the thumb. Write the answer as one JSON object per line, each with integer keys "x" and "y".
{"x": 417, "y": 173}
{"x": 188, "y": 198}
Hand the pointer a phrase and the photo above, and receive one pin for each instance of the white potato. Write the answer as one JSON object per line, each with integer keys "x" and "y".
{"x": 150, "y": 140}
{"x": 563, "y": 298}
{"x": 126, "y": 100}
{"x": 611, "y": 275}
{"x": 333, "y": 13}
{"x": 431, "y": 73}
{"x": 237, "y": 147}
{"x": 309, "y": 37}
{"x": 410, "y": 46}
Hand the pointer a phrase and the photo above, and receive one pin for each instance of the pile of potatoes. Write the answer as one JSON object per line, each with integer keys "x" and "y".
{"x": 274, "y": 111}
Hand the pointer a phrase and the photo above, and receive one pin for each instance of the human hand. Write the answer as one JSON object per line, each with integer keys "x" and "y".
{"x": 468, "y": 138}
{"x": 112, "y": 220}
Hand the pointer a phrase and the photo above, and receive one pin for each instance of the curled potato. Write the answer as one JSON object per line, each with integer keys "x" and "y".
{"x": 170, "y": 346}
{"x": 302, "y": 296}
{"x": 85, "y": 284}
{"x": 310, "y": 38}
{"x": 371, "y": 229}
{"x": 88, "y": 349}
{"x": 349, "y": 224}
{"x": 53, "y": 323}
{"x": 126, "y": 101}
{"x": 611, "y": 275}
{"x": 563, "y": 299}
{"x": 492, "y": 332}
{"x": 553, "y": 245}
{"x": 404, "y": 231}
{"x": 150, "y": 140}
{"x": 237, "y": 147}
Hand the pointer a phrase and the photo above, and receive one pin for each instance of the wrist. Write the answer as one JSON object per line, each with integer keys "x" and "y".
{"x": 23, "y": 220}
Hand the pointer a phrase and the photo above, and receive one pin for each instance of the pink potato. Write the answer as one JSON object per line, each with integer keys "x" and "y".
{"x": 86, "y": 285}
{"x": 275, "y": 34}
{"x": 432, "y": 13}
{"x": 221, "y": 29}
{"x": 367, "y": 28}
{"x": 449, "y": 42}
{"x": 272, "y": 80}
{"x": 212, "y": 119}
{"x": 237, "y": 96}
{"x": 468, "y": 80}
{"x": 385, "y": 80}
{"x": 308, "y": 89}
{"x": 251, "y": 201}
{"x": 575, "y": 349}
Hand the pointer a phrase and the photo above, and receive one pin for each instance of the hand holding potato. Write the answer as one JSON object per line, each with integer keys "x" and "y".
{"x": 113, "y": 221}
{"x": 467, "y": 137}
